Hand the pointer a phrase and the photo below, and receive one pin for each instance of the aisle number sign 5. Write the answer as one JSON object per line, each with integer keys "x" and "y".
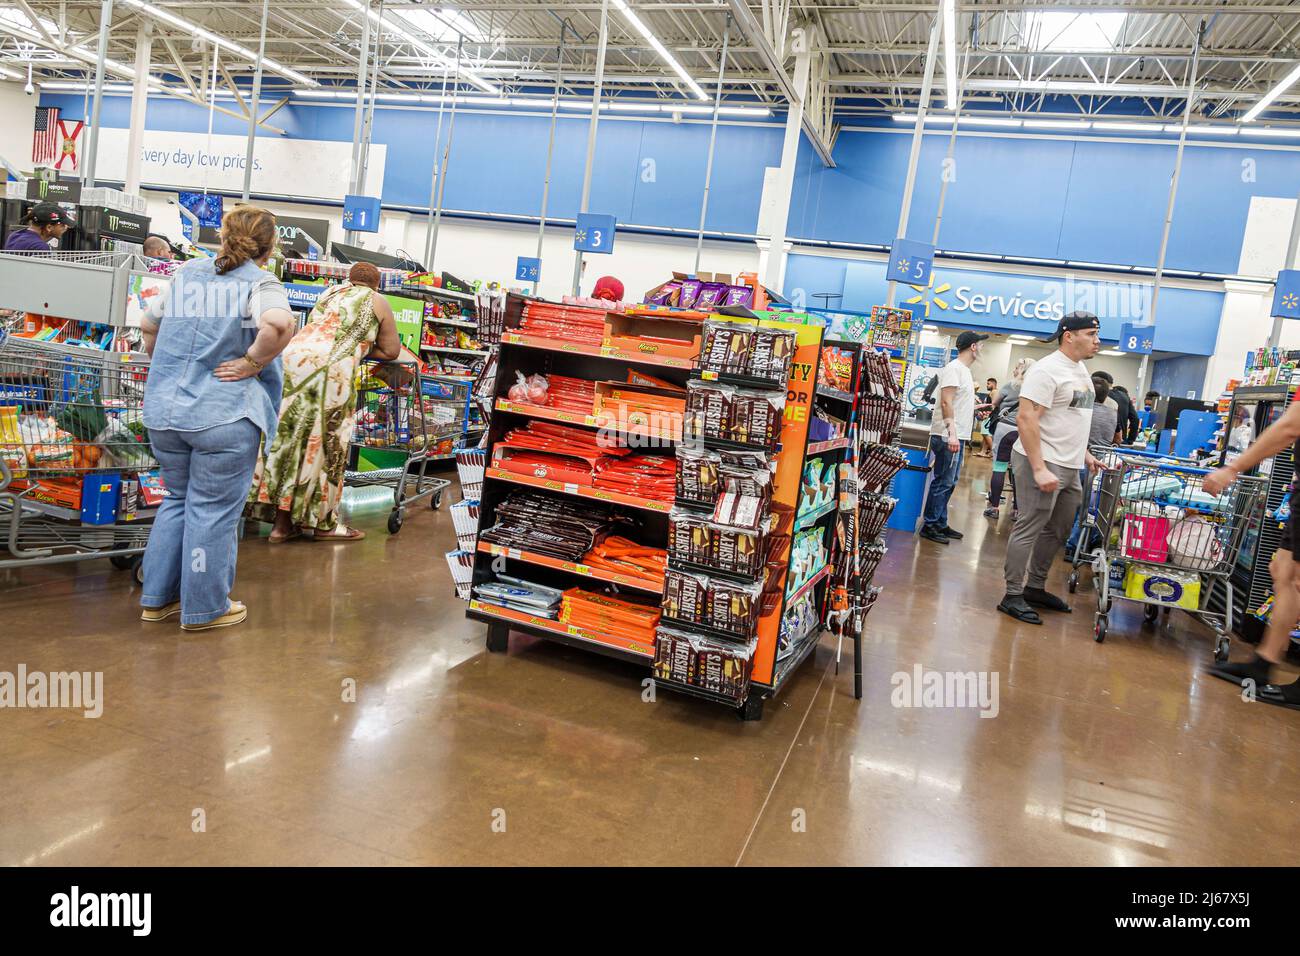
{"x": 593, "y": 233}
{"x": 910, "y": 262}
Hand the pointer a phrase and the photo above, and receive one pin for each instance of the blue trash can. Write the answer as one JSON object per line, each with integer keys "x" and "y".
{"x": 910, "y": 486}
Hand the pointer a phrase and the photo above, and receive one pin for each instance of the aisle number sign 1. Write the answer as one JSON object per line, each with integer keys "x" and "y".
{"x": 361, "y": 213}
{"x": 528, "y": 269}
{"x": 1286, "y": 294}
{"x": 910, "y": 262}
{"x": 593, "y": 233}
{"x": 1139, "y": 339}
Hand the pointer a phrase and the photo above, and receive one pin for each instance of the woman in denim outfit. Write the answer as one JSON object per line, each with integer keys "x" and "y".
{"x": 212, "y": 397}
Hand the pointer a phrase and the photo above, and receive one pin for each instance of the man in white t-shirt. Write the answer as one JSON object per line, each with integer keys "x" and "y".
{"x": 950, "y": 430}
{"x": 1054, "y": 419}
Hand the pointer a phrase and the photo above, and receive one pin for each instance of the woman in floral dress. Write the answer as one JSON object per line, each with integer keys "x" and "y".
{"x": 299, "y": 483}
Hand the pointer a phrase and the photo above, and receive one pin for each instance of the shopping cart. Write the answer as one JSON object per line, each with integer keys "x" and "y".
{"x": 1166, "y": 542}
{"x": 77, "y": 477}
{"x": 394, "y": 435}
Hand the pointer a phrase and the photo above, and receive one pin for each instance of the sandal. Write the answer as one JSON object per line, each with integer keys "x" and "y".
{"x": 276, "y": 538}
{"x": 340, "y": 533}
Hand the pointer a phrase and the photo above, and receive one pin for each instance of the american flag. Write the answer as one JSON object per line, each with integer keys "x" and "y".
{"x": 45, "y": 135}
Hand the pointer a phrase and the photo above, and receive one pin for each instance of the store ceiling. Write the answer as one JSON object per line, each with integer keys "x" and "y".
{"x": 1088, "y": 57}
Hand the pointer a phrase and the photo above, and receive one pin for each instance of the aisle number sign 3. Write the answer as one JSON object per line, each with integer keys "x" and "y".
{"x": 1139, "y": 339}
{"x": 593, "y": 233}
{"x": 910, "y": 262}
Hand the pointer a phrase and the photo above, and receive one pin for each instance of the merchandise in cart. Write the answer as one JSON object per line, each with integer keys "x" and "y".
{"x": 394, "y": 433}
{"x": 77, "y": 477}
{"x": 1166, "y": 542}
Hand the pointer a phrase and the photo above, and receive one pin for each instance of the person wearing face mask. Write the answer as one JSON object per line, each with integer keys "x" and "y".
{"x": 950, "y": 429}
{"x": 47, "y": 222}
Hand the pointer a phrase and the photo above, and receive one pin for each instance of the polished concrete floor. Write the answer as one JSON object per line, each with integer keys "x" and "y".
{"x": 237, "y": 747}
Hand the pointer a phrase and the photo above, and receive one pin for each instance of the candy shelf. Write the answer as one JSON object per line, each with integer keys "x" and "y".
{"x": 808, "y": 585}
{"x": 571, "y": 418}
{"x": 824, "y": 447}
{"x": 579, "y": 491}
{"x": 609, "y": 644}
{"x": 572, "y": 567}
{"x": 595, "y": 351}
{"x": 452, "y": 351}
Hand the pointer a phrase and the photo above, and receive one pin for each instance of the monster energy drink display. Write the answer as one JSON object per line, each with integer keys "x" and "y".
{"x": 104, "y": 228}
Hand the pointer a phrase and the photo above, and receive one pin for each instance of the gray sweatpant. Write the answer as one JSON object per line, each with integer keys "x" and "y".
{"x": 1044, "y": 523}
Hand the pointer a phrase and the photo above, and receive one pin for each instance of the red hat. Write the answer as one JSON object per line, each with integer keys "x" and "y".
{"x": 607, "y": 287}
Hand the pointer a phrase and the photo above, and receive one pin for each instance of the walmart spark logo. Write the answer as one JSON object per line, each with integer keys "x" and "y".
{"x": 1290, "y": 300}
{"x": 580, "y": 235}
{"x": 927, "y": 294}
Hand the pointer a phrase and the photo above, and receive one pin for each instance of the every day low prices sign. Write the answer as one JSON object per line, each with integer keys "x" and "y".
{"x": 280, "y": 166}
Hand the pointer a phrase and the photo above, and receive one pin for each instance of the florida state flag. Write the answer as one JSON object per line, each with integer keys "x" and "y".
{"x": 68, "y": 152}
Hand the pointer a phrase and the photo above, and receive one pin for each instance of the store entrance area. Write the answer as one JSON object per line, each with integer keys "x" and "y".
{"x": 357, "y": 718}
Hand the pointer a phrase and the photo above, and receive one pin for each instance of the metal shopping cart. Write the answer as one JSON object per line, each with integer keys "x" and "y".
{"x": 1166, "y": 542}
{"x": 397, "y": 437}
{"x": 77, "y": 477}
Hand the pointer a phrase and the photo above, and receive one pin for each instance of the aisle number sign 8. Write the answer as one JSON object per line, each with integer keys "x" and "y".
{"x": 910, "y": 262}
{"x": 593, "y": 233}
{"x": 1139, "y": 339}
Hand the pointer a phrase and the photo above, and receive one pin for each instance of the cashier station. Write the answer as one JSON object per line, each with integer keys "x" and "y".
{"x": 1185, "y": 425}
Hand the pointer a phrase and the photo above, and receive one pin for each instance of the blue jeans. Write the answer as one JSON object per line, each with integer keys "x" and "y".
{"x": 946, "y": 468}
{"x": 193, "y": 544}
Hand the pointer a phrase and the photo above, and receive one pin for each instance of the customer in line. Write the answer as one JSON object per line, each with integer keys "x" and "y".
{"x": 1101, "y": 434}
{"x": 984, "y": 403}
{"x": 46, "y": 224}
{"x": 298, "y": 485}
{"x": 1006, "y": 407}
{"x": 1149, "y": 404}
{"x": 1127, "y": 416}
{"x": 1284, "y": 568}
{"x": 950, "y": 429}
{"x": 157, "y": 247}
{"x": 1055, "y": 416}
{"x": 210, "y": 401}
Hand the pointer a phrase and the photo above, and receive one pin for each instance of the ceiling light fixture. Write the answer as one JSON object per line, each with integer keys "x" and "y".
{"x": 659, "y": 48}
{"x": 1056, "y": 124}
{"x": 403, "y": 30}
{"x": 167, "y": 16}
{"x": 987, "y": 121}
{"x": 1287, "y": 133}
{"x": 1267, "y": 99}
{"x": 1129, "y": 127}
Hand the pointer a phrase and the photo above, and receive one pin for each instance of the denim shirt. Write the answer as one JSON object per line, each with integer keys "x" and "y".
{"x": 206, "y": 319}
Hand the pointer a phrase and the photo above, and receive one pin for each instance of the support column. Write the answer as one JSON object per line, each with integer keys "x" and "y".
{"x": 254, "y": 106}
{"x": 139, "y": 104}
{"x": 1292, "y": 246}
{"x": 437, "y": 169}
{"x": 446, "y": 155}
{"x": 1173, "y": 197}
{"x": 772, "y": 264}
{"x": 931, "y": 54}
{"x": 591, "y": 131}
{"x": 550, "y": 147}
{"x": 363, "y": 62}
{"x": 713, "y": 139}
{"x": 92, "y": 146}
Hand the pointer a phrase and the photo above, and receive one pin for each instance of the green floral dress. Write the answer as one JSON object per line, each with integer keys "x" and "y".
{"x": 302, "y": 473}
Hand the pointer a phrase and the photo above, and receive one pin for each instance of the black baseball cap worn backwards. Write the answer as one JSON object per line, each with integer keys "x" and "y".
{"x": 1074, "y": 322}
{"x": 967, "y": 339}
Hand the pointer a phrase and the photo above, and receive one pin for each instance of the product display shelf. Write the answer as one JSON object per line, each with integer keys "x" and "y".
{"x": 433, "y": 292}
{"x": 595, "y": 351}
{"x": 811, "y": 583}
{"x": 810, "y": 518}
{"x": 608, "y": 644}
{"x": 572, "y": 418}
{"x": 830, "y": 445}
{"x": 390, "y": 280}
{"x": 578, "y": 491}
{"x": 458, "y": 323}
{"x": 570, "y": 567}
{"x": 840, "y": 396}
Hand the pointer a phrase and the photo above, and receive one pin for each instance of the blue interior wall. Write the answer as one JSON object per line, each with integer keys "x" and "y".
{"x": 1088, "y": 198}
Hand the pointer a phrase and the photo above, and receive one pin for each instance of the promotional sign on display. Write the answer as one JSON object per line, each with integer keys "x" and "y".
{"x": 361, "y": 213}
{"x": 303, "y": 295}
{"x": 910, "y": 261}
{"x": 208, "y": 207}
{"x": 593, "y": 233}
{"x": 1286, "y": 295}
{"x": 528, "y": 269}
{"x": 409, "y": 317}
{"x": 308, "y": 237}
{"x": 1137, "y": 339}
{"x": 61, "y": 190}
{"x": 932, "y": 356}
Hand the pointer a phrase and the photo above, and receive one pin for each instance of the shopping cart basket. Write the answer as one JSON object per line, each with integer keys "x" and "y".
{"x": 1166, "y": 542}
{"x": 393, "y": 427}
{"x": 77, "y": 477}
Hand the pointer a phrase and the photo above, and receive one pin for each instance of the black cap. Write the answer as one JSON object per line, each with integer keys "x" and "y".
{"x": 48, "y": 213}
{"x": 967, "y": 339}
{"x": 1074, "y": 322}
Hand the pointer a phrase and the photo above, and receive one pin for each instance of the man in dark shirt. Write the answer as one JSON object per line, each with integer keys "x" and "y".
{"x": 1129, "y": 423}
{"x": 46, "y": 221}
